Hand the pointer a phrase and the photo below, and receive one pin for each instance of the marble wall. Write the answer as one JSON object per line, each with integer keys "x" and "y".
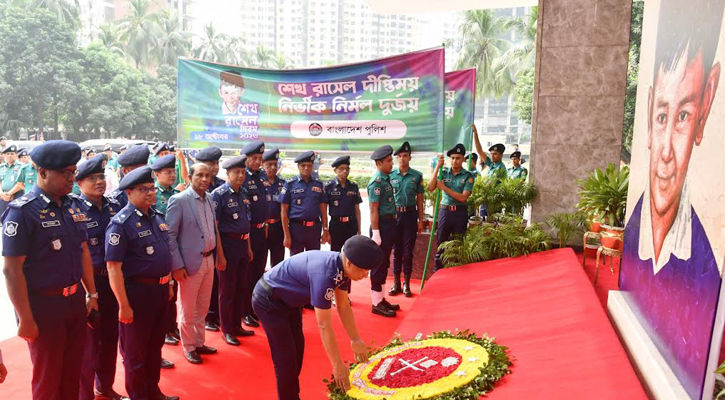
{"x": 581, "y": 69}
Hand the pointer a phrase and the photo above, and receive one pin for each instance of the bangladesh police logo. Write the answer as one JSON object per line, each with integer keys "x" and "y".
{"x": 329, "y": 294}
{"x": 376, "y": 191}
{"x": 315, "y": 129}
{"x": 114, "y": 239}
{"x": 11, "y": 228}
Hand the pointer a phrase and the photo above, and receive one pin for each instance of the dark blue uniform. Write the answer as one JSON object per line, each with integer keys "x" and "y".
{"x": 343, "y": 220}
{"x": 99, "y": 361}
{"x": 304, "y": 199}
{"x": 120, "y": 197}
{"x": 259, "y": 203}
{"x": 213, "y": 315}
{"x": 50, "y": 237}
{"x": 307, "y": 278}
{"x": 232, "y": 212}
{"x": 275, "y": 236}
{"x": 141, "y": 243}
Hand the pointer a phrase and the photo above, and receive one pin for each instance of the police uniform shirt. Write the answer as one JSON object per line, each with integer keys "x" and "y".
{"x": 140, "y": 242}
{"x": 381, "y": 191}
{"x": 460, "y": 182}
{"x": 308, "y": 278}
{"x": 231, "y": 209}
{"x": 215, "y": 183}
{"x": 342, "y": 200}
{"x": 493, "y": 166}
{"x": 96, "y": 223}
{"x": 120, "y": 196}
{"x": 162, "y": 197}
{"x": 10, "y": 175}
{"x": 257, "y": 195}
{"x": 304, "y": 198}
{"x": 518, "y": 172}
{"x": 406, "y": 188}
{"x": 29, "y": 176}
{"x": 273, "y": 191}
{"x": 50, "y": 236}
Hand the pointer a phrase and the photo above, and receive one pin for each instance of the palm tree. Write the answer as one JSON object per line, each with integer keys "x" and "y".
{"x": 522, "y": 55}
{"x": 263, "y": 57}
{"x": 172, "y": 42}
{"x": 108, "y": 35}
{"x": 281, "y": 62}
{"x": 67, "y": 11}
{"x": 214, "y": 45}
{"x": 482, "y": 45}
{"x": 139, "y": 31}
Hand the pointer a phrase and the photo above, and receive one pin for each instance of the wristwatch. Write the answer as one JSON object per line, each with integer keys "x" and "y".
{"x": 92, "y": 295}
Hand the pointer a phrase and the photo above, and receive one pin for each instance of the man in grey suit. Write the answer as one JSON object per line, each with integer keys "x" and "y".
{"x": 195, "y": 249}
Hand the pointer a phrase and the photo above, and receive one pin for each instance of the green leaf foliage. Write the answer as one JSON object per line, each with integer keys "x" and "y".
{"x": 604, "y": 194}
{"x": 502, "y": 193}
{"x": 567, "y": 224}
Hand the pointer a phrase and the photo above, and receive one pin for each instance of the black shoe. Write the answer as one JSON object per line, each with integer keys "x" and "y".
{"x": 166, "y": 364}
{"x": 231, "y": 339}
{"x": 406, "y": 290}
{"x": 175, "y": 333}
{"x": 162, "y": 396}
{"x": 171, "y": 340}
{"x": 386, "y": 304}
{"x": 380, "y": 309}
{"x": 395, "y": 290}
{"x": 210, "y": 326}
{"x": 254, "y": 317}
{"x": 249, "y": 321}
{"x": 193, "y": 357}
{"x": 205, "y": 350}
{"x": 243, "y": 332}
{"x": 112, "y": 395}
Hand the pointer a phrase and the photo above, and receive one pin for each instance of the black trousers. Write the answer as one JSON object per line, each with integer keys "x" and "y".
{"x": 283, "y": 327}
{"x": 449, "y": 223}
{"x": 406, "y": 231}
{"x": 387, "y": 236}
{"x": 233, "y": 283}
{"x": 341, "y": 231}
{"x": 304, "y": 237}
{"x": 60, "y": 343}
{"x": 275, "y": 244}
{"x": 213, "y": 314}
{"x": 255, "y": 271}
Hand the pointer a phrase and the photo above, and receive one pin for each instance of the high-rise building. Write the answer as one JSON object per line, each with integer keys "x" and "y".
{"x": 93, "y": 14}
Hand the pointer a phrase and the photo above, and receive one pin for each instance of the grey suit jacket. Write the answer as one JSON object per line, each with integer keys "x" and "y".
{"x": 186, "y": 238}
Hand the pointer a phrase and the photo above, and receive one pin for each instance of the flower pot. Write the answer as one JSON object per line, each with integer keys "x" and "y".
{"x": 595, "y": 227}
{"x": 613, "y": 237}
{"x": 474, "y": 221}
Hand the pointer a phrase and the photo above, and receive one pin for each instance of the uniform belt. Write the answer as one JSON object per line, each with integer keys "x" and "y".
{"x": 405, "y": 209}
{"x": 454, "y": 208}
{"x": 65, "y": 292}
{"x": 239, "y": 236}
{"x": 344, "y": 219}
{"x": 305, "y": 223}
{"x": 149, "y": 281}
{"x": 272, "y": 221}
{"x": 268, "y": 288}
{"x": 259, "y": 225}
{"x": 205, "y": 254}
{"x": 389, "y": 216}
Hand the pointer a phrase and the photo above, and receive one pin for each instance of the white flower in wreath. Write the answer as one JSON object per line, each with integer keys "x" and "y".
{"x": 330, "y": 294}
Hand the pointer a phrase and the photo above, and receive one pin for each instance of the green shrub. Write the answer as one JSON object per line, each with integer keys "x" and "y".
{"x": 604, "y": 194}
{"x": 567, "y": 224}
{"x": 502, "y": 194}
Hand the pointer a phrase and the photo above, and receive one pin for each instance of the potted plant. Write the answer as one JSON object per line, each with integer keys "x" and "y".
{"x": 502, "y": 194}
{"x": 566, "y": 224}
{"x": 604, "y": 193}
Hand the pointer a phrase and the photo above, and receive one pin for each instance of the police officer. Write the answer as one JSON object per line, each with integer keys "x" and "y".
{"x": 456, "y": 183}
{"x": 382, "y": 227}
{"x": 408, "y": 190}
{"x": 470, "y": 162}
{"x": 274, "y": 184}
{"x": 10, "y": 187}
{"x": 99, "y": 361}
{"x": 517, "y": 171}
{"x": 304, "y": 202}
{"x": 164, "y": 169}
{"x": 135, "y": 157}
{"x": 344, "y": 204}
{"x": 160, "y": 150}
{"x": 496, "y": 167}
{"x": 23, "y": 156}
{"x": 139, "y": 270}
{"x": 46, "y": 257}
{"x": 232, "y": 214}
{"x": 315, "y": 277}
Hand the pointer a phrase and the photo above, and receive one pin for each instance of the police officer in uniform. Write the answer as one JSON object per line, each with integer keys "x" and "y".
{"x": 496, "y": 167}
{"x": 470, "y": 162}
{"x": 517, "y": 171}
{"x": 344, "y": 204}
{"x": 99, "y": 361}
{"x": 274, "y": 184}
{"x": 456, "y": 183}
{"x": 382, "y": 227}
{"x": 46, "y": 257}
{"x": 259, "y": 207}
{"x": 408, "y": 189}
{"x": 135, "y": 157}
{"x": 29, "y": 176}
{"x": 139, "y": 270}
{"x": 304, "y": 202}
{"x": 161, "y": 150}
{"x": 315, "y": 277}
{"x": 232, "y": 213}
{"x": 164, "y": 169}
{"x": 23, "y": 156}
{"x": 10, "y": 172}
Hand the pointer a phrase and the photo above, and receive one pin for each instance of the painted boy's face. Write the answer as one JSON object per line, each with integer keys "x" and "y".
{"x": 679, "y": 104}
{"x": 230, "y": 94}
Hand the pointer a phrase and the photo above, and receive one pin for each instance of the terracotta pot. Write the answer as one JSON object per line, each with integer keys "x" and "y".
{"x": 613, "y": 237}
{"x": 595, "y": 227}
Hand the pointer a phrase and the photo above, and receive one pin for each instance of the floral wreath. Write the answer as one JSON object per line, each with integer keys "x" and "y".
{"x": 443, "y": 366}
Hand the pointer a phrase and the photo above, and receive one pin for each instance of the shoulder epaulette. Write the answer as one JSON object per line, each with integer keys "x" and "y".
{"x": 22, "y": 200}
{"x": 121, "y": 216}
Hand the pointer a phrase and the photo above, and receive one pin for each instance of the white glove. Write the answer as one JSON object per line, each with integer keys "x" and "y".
{"x": 376, "y": 237}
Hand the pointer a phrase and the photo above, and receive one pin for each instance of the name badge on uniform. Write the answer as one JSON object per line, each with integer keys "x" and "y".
{"x": 335, "y": 193}
{"x": 317, "y": 189}
{"x": 352, "y": 193}
{"x": 393, "y": 181}
{"x": 144, "y": 233}
{"x": 56, "y": 244}
{"x": 150, "y": 250}
{"x": 298, "y": 191}
{"x": 92, "y": 224}
{"x": 447, "y": 180}
{"x": 49, "y": 224}
{"x": 232, "y": 204}
{"x": 235, "y": 216}
{"x": 252, "y": 187}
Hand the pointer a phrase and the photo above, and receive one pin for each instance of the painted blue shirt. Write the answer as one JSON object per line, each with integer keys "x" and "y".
{"x": 232, "y": 209}
{"x": 304, "y": 198}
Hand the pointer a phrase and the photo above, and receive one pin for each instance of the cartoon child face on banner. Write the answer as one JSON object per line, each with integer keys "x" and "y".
{"x": 231, "y": 90}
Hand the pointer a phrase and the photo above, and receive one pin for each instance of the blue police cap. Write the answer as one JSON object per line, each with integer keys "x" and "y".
{"x": 211, "y": 153}
{"x": 515, "y": 154}
{"x": 90, "y": 167}
{"x": 161, "y": 147}
{"x": 56, "y": 154}
{"x": 256, "y": 147}
{"x": 235, "y": 162}
{"x": 172, "y": 148}
{"x": 11, "y": 149}
{"x": 135, "y": 155}
{"x": 270, "y": 155}
{"x": 307, "y": 156}
{"x": 136, "y": 177}
{"x": 340, "y": 161}
{"x": 382, "y": 152}
{"x": 404, "y": 148}
{"x": 497, "y": 147}
{"x": 22, "y": 152}
{"x": 167, "y": 161}
{"x": 457, "y": 149}
{"x": 363, "y": 252}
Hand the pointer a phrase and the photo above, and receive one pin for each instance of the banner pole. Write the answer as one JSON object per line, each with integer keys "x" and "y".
{"x": 432, "y": 233}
